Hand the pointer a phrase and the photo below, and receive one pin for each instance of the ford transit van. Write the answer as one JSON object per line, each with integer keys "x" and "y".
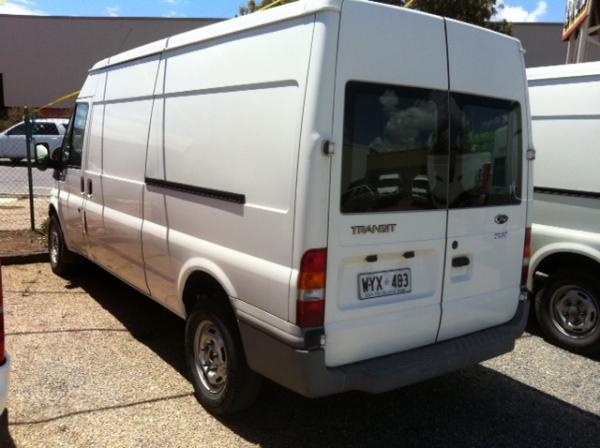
{"x": 255, "y": 177}
{"x": 565, "y": 105}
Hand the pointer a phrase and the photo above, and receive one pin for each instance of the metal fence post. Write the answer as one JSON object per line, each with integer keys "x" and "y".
{"x": 29, "y": 140}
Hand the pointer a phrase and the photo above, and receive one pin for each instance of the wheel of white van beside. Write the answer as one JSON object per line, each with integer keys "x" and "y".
{"x": 222, "y": 381}
{"x": 568, "y": 311}
{"x": 61, "y": 258}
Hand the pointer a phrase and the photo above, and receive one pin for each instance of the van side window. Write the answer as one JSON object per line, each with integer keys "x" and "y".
{"x": 395, "y": 148}
{"x": 486, "y": 162}
{"x": 74, "y": 147}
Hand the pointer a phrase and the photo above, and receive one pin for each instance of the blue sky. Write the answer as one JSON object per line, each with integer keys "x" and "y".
{"x": 514, "y": 10}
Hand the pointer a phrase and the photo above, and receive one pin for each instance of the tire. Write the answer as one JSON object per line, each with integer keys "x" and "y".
{"x": 568, "y": 311}
{"x": 211, "y": 336}
{"x": 62, "y": 260}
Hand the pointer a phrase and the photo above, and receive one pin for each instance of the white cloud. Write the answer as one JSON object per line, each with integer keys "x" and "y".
{"x": 171, "y": 2}
{"x": 171, "y": 14}
{"x": 521, "y": 14}
{"x": 112, "y": 11}
{"x": 21, "y": 7}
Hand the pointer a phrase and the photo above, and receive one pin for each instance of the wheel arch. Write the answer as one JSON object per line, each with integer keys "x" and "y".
{"x": 200, "y": 274}
{"x": 554, "y": 256}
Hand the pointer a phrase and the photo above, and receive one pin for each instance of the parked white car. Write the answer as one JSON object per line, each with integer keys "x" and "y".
{"x": 48, "y": 132}
{"x": 420, "y": 192}
{"x": 216, "y": 187}
{"x": 565, "y": 265}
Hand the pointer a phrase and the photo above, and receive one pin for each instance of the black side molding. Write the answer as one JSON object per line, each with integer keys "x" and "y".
{"x": 201, "y": 191}
{"x": 563, "y": 192}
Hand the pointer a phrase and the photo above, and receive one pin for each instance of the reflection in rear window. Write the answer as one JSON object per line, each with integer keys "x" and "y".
{"x": 393, "y": 136}
{"x": 487, "y": 152}
{"x": 396, "y": 151}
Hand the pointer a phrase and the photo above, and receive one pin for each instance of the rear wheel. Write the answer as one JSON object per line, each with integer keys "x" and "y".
{"x": 568, "y": 311}
{"x": 223, "y": 382}
{"x": 61, "y": 258}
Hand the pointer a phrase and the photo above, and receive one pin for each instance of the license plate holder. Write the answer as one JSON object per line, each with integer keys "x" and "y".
{"x": 384, "y": 283}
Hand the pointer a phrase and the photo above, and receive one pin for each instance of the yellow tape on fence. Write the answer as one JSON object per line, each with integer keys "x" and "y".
{"x": 60, "y": 100}
{"x": 270, "y": 5}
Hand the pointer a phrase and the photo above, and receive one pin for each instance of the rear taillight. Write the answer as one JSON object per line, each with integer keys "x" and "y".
{"x": 1, "y": 320}
{"x": 526, "y": 257}
{"x": 310, "y": 309}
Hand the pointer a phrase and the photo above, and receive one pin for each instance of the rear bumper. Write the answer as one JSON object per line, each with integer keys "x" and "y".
{"x": 4, "y": 370}
{"x": 304, "y": 371}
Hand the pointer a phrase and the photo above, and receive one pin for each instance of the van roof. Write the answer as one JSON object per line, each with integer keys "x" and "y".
{"x": 224, "y": 28}
{"x": 563, "y": 71}
{"x": 245, "y": 23}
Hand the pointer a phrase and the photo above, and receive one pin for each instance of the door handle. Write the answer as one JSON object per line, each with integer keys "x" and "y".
{"x": 89, "y": 186}
{"x": 459, "y": 262}
{"x": 81, "y": 185}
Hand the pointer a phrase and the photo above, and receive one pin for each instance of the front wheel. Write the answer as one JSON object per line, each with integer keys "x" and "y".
{"x": 568, "y": 311}
{"x": 223, "y": 382}
{"x": 61, "y": 258}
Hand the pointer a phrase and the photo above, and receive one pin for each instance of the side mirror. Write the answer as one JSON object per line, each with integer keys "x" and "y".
{"x": 41, "y": 156}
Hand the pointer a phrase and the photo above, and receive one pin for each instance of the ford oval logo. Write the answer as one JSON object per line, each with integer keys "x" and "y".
{"x": 501, "y": 219}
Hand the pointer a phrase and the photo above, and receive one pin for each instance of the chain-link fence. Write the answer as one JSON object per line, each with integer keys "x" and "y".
{"x": 16, "y": 201}
{"x": 25, "y": 190}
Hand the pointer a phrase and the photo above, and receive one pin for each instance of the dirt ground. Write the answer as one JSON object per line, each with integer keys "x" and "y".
{"x": 14, "y": 212}
{"x": 96, "y": 364}
{"x": 16, "y": 236}
{"x": 21, "y": 241}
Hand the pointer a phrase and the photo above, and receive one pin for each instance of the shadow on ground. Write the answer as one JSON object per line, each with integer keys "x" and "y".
{"x": 474, "y": 407}
{"x": 6, "y": 440}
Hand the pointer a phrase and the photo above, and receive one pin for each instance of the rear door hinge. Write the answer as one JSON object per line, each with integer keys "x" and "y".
{"x": 531, "y": 154}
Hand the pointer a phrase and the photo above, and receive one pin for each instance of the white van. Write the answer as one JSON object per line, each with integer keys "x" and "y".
{"x": 231, "y": 174}
{"x": 565, "y": 105}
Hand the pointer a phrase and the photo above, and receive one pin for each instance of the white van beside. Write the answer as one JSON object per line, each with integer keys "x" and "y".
{"x": 565, "y": 265}
{"x": 233, "y": 174}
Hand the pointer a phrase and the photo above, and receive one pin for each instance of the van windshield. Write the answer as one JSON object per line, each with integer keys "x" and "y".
{"x": 396, "y": 150}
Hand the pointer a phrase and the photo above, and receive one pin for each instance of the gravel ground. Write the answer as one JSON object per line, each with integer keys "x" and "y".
{"x": 97, "y": 364}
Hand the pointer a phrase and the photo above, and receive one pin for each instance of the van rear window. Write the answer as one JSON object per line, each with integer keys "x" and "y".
{"x": 486, "y": 152}
{"x": 396, "y": 150}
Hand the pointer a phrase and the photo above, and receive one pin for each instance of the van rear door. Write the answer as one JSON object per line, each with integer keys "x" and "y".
{"x": 386, "y": 245}
{"x": 487, "y": 193}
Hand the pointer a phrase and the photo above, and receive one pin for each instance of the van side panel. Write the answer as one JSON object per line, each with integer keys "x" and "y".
{"x": 312, "y": 199}
{"x": 93, "y": 171}
{"x": 157, "y": 261}
{"x": 128, "y": 103}
{"x": 566, "y": 110}
{"x": 235, "y": 128}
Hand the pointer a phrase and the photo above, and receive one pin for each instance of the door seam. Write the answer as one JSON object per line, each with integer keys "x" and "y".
{"x": 449, "y": 159}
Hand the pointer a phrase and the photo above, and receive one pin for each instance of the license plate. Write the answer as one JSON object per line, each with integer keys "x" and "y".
{"x": 385, "y": 283}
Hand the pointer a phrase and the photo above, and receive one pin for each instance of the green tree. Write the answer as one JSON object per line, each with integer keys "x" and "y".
{"x": 478, "y": 12}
